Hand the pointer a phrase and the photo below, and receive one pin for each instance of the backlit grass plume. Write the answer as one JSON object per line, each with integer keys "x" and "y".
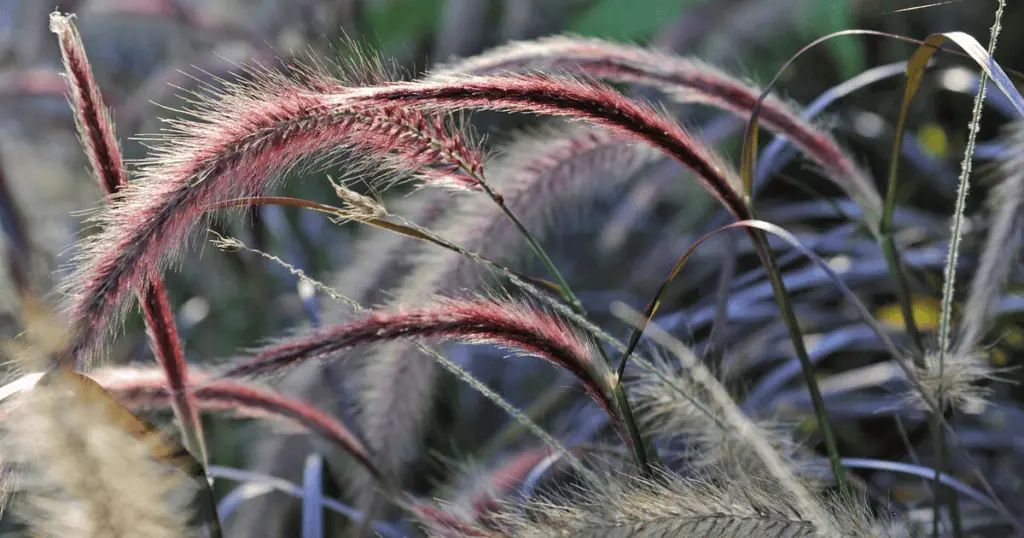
{"x": 236, "y": 144}
{"x": 668, "y": 505}
{"x": 141, "y": 389}
{"x": 564, "y": 96}
{"x": 96, "y": 131}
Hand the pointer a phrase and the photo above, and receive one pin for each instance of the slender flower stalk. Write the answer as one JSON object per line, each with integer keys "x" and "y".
{"x": 948, "y": 285}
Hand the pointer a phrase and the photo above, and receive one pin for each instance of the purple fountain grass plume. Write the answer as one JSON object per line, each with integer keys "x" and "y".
{"x": 517, "y": 326}
{"x": 558, "y": 95}
{"x": 96, "y": 131}
{"x": 235, "y": 145}
{"x": 683, "y": 78}
{"x": 95, "y": 128}
{"x": 540, "y": 175}
{"x": 140, "y": 388}
{"x": 1007, "y": 231}
{"x": 706, "y": 505}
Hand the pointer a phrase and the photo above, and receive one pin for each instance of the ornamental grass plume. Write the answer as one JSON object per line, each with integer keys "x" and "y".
{"x": 518, "y": 327}
{"x": 236, "y": 145}
{"x": 96, "y": 131}
{"x": 82, "y": 475}
{"x": 391, "y": 398}
{"x": 684, "y": 79}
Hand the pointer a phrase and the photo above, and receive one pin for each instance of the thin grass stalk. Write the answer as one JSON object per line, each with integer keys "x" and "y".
{"x": 806, "y": 365}
{"x": 949, "y": 280}
{"x": 96, "y": 130}
{"x": 535, "y": 246}
{"x": 897, "y": 272}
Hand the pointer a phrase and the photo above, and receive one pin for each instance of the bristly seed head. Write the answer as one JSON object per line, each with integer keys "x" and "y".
{"x": 234, "y": 146}
{"x": 518, "y": 326}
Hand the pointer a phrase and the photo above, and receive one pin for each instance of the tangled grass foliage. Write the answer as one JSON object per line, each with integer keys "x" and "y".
{"x": 672, "y": 441}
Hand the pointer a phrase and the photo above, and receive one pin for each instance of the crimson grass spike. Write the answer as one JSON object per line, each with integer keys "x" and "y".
{"x": 517, "y": 326}
{"x": 96, "y": 131}
{"x": 141, "y": 388}
{"x": 685, "y": 79}
{"x": 559, "y": 95}
{"x": 232, "y": 145}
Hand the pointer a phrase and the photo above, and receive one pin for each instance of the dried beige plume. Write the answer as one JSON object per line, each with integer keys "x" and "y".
{"x": 81, "y": 476}
{"x": 670, "y": 404}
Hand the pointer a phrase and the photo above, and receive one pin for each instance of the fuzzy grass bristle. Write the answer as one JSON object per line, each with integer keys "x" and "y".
{"x": 668, "y": 505}
{"x": 517, "y": 326}
{"x": 955, "y": 380}
{"x": 684, "y": 79}
{"x": 566, "y": 96}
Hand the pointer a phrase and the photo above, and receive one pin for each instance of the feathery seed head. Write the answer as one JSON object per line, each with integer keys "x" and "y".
{"x": 682, "y": 78}
{"x": 85, "y": 476}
